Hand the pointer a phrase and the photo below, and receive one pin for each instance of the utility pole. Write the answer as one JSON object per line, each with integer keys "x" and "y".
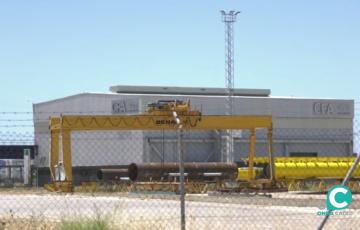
{"x": 229, "y": 19}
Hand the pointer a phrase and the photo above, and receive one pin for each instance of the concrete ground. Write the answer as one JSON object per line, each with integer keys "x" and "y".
{"x": 283, "y": 211}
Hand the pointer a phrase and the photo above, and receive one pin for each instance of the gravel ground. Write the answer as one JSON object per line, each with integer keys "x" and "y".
{"x": 282, "y": 211}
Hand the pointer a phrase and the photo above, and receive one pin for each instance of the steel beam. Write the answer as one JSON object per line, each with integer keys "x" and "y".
{"x": 146, "y": 122}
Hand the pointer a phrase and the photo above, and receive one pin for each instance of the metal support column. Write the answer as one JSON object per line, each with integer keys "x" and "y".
{"x": 252, "y": 154}
{"x": 66, "y": 146}
{"x": 271, "y": 157}
{"x": 54, "y": 152}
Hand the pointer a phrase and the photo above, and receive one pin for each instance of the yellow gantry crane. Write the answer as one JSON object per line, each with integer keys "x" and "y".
{"x": 159, "y": 116}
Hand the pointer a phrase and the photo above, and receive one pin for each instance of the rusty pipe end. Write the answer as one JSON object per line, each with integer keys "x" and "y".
{"x": 99, "y": 175}
{"x": 133, "y": 171}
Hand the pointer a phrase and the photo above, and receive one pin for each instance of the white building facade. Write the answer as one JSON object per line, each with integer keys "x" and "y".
{"x": 302, "y": 127}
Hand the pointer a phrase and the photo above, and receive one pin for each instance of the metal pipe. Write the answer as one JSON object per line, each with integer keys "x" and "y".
{"x": 214, "y": 174}
{"x": 147, "y": 171}
{"x": 176, "y": 174}
{"x": 112, "y": 174}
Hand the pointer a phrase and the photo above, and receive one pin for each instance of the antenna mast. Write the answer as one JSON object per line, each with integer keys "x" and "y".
{"x": 229, "y": 19}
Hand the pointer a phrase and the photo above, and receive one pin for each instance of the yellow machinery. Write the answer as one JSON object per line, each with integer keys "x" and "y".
{"x": 305, "y": 167}
{"x": 159, "y": 116}
{"x": 167, "y": 107}
{"x": 294, "y": 172}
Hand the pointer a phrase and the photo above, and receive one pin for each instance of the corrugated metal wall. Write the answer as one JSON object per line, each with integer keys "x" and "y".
{"x": 300, "y": 125}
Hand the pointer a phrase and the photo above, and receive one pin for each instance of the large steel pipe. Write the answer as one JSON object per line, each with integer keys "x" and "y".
{"x": 158, "y": 171}
{"x": 112, "y": 174}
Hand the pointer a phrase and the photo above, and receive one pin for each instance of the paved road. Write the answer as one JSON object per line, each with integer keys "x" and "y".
{"x": 164, "y": 214}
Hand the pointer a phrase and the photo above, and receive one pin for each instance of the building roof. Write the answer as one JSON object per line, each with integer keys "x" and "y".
{"x": 131, "y": 89}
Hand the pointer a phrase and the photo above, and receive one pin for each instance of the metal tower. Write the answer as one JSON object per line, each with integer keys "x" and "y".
{"x": 229, "y": 19}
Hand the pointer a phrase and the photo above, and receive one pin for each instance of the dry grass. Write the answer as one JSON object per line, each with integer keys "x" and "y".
{"x": 99, "y": 222}
{"x": 76, "y": 224}
{"x": 12, "y": 222}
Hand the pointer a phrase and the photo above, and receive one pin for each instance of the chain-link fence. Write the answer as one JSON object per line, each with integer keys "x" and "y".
{"x": 129, "y": 179}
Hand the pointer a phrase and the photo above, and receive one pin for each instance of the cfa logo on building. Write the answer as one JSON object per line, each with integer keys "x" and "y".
{"x": 339, "y": 197}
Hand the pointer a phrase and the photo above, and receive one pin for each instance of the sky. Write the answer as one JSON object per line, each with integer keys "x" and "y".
{"x": 52, "y": 49}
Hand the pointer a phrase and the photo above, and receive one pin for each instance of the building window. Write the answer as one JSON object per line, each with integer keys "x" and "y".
{"x": 303, "y": 154}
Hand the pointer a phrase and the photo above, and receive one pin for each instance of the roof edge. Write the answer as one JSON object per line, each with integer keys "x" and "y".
{"x": 72, "y": 96}
{"x": 132, "y": 89}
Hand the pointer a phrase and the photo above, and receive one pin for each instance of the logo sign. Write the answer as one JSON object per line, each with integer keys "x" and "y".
{"x": 338, "y": 197}
{"x": 331, "y": 108}
{"x": 165, "y": 122}
{"x": 323, "y": 108}
{"x": 125, "y": 106}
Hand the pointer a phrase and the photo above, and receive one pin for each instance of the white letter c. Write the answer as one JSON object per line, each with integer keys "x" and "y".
{"x": 332, "y": 198}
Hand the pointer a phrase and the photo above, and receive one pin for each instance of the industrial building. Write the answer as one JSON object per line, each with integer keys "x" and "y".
{"x": 302, "y": 127}
{"x": 12, "y": 163}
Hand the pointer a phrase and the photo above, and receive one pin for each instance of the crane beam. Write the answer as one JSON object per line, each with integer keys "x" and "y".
{"x": 148, "y": 122}
{"x": 61, "y": 128}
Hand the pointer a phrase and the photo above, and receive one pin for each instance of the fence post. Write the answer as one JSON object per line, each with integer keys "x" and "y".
{"x": 181, "y": 169}
{"x": 27, "y": 167}
{"x": 182, "y": 185}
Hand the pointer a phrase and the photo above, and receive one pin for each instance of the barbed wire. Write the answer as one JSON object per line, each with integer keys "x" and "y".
{"x": 9, "y": 119}
{"x": 88, "y": 112}
{"x": 104, "y": 137}
{"x": 285, "y": 131}
{"x": 52, "y": 112}
{"x": 15, "y": 126}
